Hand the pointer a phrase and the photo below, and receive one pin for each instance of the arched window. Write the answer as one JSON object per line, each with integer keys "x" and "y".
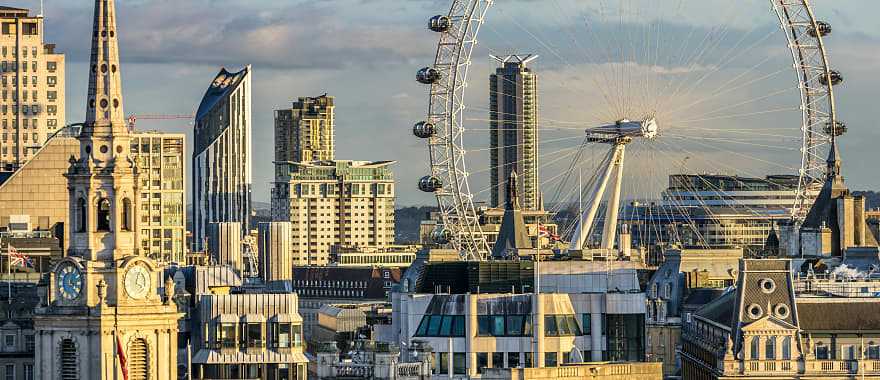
{"x": 103, "y": 215}
{"x": 770, "y": 348}
{"x": 81, "y": 215}
{"x": 69, "y": 360}
{"x": 786, "y": 348}
{"x": 138, "y": 361}
{"x": 126, "y": 215}
{"x": 755, "y": 349}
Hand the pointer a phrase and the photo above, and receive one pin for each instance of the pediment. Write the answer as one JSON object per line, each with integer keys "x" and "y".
{"x": 768, "y": 323}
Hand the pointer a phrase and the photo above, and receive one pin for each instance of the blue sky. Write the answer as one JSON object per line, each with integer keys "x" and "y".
{"x": 365, "y": 52}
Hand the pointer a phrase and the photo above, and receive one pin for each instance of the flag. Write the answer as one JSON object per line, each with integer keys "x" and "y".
{"x": 544, "y": 232}
{"x": 121, "y": 355}
{"x": 18, "y": 259}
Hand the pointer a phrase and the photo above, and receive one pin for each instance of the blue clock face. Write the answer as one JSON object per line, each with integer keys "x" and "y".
{"x": 69, "y": 282}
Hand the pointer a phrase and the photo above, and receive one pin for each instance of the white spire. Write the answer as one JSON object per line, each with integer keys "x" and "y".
{"x": 104, "y": 114}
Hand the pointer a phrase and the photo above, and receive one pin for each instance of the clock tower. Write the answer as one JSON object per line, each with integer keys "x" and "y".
{"x": 103, "y": 291}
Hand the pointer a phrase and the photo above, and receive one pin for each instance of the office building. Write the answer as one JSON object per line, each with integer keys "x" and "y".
{"x": 513, "y": 130}
{"x": 32, "y": 85}
{"x": 162, "y": 176}
{"x": 305, "y": 132}
{"x": 478, "y": 315}
{"x": 276, "y": 263}
{"x": 222, "y": 155}
{"x": 385, "y": 256}
{"x": 319, "y": 286}
{"x": 102, "y": 296}
{"x": 248, "y": 336}
{"x": 38, "y": 188}
{"x": 333, "y": 203}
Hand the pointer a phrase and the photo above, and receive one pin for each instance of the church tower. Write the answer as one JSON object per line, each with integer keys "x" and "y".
{"x": 103, "y": 292}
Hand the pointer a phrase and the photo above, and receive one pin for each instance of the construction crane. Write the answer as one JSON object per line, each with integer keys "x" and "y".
{"x": 133, "y": 119}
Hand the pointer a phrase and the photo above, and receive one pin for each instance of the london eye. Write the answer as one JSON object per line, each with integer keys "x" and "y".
{"x": 632, "y": 92}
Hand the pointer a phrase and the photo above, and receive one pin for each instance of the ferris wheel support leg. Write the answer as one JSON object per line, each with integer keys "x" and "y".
{"x": 586, "y": 223}
{"x": 609, "y": 234}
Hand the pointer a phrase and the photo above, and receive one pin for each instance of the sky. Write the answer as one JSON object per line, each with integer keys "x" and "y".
{"x": 366, "y": 52}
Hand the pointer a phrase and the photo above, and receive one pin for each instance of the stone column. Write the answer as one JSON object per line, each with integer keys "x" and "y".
{"x": 596, "y": 333}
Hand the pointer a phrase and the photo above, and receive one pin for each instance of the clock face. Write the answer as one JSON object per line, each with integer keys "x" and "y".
{"x": 137, "y": 282}
{"x": 69, "y": 282}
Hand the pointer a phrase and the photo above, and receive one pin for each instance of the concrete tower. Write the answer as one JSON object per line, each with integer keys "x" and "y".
{"x": 103, "y": 293}
{"x": 513, "y": 130}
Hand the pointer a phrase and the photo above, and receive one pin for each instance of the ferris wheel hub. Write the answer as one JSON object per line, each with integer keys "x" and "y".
{"x": 624, "y": 131}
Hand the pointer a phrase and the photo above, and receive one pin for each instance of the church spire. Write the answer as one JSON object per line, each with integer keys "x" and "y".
{"x": 833, "y": 161}
{"x": 104, "y": 115}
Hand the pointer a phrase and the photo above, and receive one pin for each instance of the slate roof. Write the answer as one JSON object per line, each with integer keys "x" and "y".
{"x": 852, "y": 315}
{"x": 720, "y": 310}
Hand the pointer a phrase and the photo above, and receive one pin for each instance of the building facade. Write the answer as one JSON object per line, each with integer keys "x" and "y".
{"x": 513, "y": 130}
{"x": 39, "y": 191}
{"x": 478, "y": 315}
{"x": 17, "y": 336}
{"x": 162, "y": 176}
{"x": 305, "y": 132}
{"x": 334, "y": 203}
{"x": 222, "y": 155}
{"x": 103, "y": 297}
{"x": 248, "y": 336}
{"x": 33, "y": 87}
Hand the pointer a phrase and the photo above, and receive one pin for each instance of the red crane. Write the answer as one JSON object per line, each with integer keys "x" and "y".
{"x": 132, "y": 119}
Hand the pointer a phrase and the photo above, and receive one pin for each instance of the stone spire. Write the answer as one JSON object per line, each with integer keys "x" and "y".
{"x": 513, "y": 234}
{"x": 104, "y": 115}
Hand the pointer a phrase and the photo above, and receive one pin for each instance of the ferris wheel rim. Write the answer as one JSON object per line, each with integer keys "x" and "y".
{"x": 446, "y": 150}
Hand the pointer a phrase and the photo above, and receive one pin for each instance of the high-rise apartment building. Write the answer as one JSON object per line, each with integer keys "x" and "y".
{"x": 222, "y": 155}
{"x": 305, "y": 131}
{"x": 513, "y": 130}
{"x": 31, "y": 87}
{"x": 334, "y": 203}
{"x": 161, "y": 172}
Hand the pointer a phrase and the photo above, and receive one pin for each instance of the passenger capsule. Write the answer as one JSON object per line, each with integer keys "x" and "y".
{"x": 430, "y": 184}
{"x": 821, "y": 29}
{"x": 440, "y": 24}
{"x": 428, "y": 75}
{"x": 424, "y": 130}
{"x": 838, "y": 131}
{"x": 441, "y": 236}
{"x": 836, "y": 78}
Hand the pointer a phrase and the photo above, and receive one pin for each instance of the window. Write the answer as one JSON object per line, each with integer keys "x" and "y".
{"x": 282, "y": 335}
{"x": 51, "y": 66}
{"x": 9, "y": 341}
{"x": 755, "y": 349}
{"x": 441, "y": 326}
{"x": 482, "y": 361}
{"x": 822, "y": 352}
{"x": 586, "y": 323}
{"x": 459, "y": 363}
{"x": 873, "y": 351}
{"x": 226, "y": 335}
{"x": 28, "y": 372}
{"x": 254, "y": 335}
{"x": 550, "y": 359}
{"x": 786, "y": 348}
{"x": 444, "y": 363}
{"x": 29, "y": 342}
{"x": 497, "y": 360}
{"x": 9, "y": 373}
{"x": 513, "y": 360}
{"x": 848, "y": 352}
{"x": 550, "y": 328}
{"x": 81, "y": 215}
{"x": 138, "y": 362}
{"x": 104, "y": 215}
{"x": 770, "y": 348}
{"x": 69, "y": 360}
{"x": 126, "y": 215}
